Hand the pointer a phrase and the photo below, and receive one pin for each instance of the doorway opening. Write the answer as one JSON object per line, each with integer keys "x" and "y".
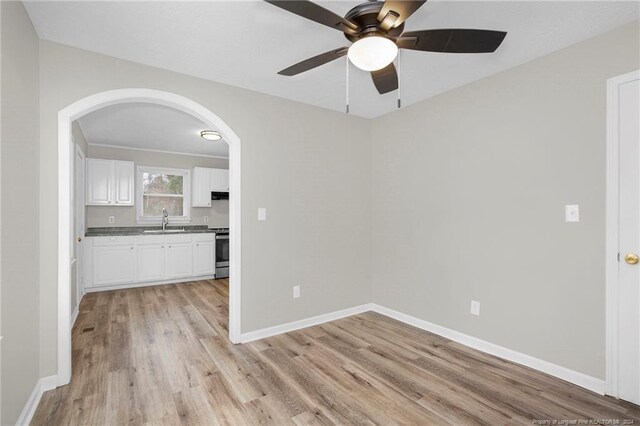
{"x": 67, "y": 203}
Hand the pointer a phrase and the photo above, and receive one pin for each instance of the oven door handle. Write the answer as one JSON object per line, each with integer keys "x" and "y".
{"x": 222, "y": 237}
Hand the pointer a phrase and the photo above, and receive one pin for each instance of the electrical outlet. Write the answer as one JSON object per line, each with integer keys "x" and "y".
{"x": 112, "y": 219}
{"x": 475, "y": 307}
{"x": 572, "y": 213}
{"x": 262, "y": 213}
{"x": 206, "y": 219}
{"x": 296, "y": 291}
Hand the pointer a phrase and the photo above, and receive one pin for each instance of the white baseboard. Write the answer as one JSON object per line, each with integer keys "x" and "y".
{"x": 43, "y": 385}
{"x": 76, "y": 311}
{"x": 588, "y": 382}
{"x": 149, "y": 284}
{"x": 303, "y": 323}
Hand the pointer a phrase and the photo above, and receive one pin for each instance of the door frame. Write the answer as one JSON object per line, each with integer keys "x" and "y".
{"x": 65, "y": 181}
{"x": 612, "y": 231}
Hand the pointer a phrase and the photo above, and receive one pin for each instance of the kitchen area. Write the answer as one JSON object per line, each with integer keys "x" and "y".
{"x": 151, "y": 202}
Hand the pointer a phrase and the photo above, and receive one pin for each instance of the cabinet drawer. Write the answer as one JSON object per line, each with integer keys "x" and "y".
{"x": 182, "y": 238}
{"x": 197, "y": 238}
{"x": 150, "y": 239}
{"x": 116, "y": 240}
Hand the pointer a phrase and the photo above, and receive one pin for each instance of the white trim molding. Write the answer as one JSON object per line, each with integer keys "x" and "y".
{"x": 119, "y": 96}
{"x": 588, "y": 382}
{"x": 42, "y": 385}
{"x": 189, "y": 154}
{"x": 303, "y": 323}
{"x": 612, "y": 231}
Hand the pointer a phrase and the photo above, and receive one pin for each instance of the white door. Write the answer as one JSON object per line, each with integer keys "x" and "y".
{"x": 99, "y": 179}
{"x": 627, "y": 128}
{"x": 151, "y": 262}
{"x": 123, "y": 183}
{"x": 79, "y": 224}
{"x": 114, "y": 265}
{"x": 203, "y": 258}
{"x": 179, "y": 260}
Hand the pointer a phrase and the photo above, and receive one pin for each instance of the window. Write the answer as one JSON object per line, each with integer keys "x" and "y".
{"x": 162, "y": 188}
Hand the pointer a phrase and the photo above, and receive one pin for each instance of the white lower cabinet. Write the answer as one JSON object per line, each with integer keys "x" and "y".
{"x": 204, "y": 262}
{"x": 147, "y": 258}
{"x": 178, "y": 260}
{"x": 151, "y": 262}
{"x": 114, "y": 265}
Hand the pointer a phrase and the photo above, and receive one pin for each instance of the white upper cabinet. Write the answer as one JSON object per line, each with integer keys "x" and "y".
{"x": 219, "y": 180}
{"x": 201, "y": 187}
{"x": 205, "y": 181}
{"x": 109, "y": 182}
{"x": 99, "y": 179}
{"x": 123, "y": 183}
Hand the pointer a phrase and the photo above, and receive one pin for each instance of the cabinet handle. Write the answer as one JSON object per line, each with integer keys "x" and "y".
{"x": 169, "y": 246}
{"x": 131, "y": 248}
{"x": 162, "y": 247}
{"x": 197, "y": 245}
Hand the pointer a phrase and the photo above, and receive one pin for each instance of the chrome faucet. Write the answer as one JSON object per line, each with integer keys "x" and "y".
{"x": 165, "y": 218}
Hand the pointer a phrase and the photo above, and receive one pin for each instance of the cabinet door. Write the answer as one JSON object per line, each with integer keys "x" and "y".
{"x": 114, "y": 265}
{"x": 123, "y": 183}
{"x": 151, "y": 262}
{"x": 99, "y": 181}
{"x": 203, "y": 258}
{"x": 201, "y": 187}
{"x": 220, "y": 180}
{"x": 179, "y": 261}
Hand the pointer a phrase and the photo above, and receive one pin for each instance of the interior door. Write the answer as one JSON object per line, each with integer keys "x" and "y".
{"x": 628, "y": 312}
{"x": 79, "y": 223}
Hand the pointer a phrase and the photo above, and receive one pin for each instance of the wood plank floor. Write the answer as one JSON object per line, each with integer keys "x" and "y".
{"x": 160, "y": 355}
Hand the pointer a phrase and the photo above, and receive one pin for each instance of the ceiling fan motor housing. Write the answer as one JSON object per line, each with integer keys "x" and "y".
{"x": 365, "y": 16}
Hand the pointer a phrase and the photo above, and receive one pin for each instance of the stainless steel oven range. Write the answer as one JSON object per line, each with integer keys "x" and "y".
{"x": 222, "y": 252}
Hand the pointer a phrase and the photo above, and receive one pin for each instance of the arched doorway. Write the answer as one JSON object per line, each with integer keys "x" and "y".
{"x": 65, "y": 180}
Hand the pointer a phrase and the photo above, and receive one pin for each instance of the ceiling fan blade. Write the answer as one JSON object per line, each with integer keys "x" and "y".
{"x": 316, "y": 13}
{"x": 402, "y": 8}
{"x": 452, "y": 40}
{"x": 386, "y": 79}
{"x": 314, "y": 62}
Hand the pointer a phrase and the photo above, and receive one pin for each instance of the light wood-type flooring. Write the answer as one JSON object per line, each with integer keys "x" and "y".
{"x": 160, "y": 355}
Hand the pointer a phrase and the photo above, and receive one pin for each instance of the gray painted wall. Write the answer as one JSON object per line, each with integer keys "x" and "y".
{"x": 468, "y": 203}
{"x": 308, "y": 166}
{"x": 126, "y": 216}
{"x": 19, "y": 186}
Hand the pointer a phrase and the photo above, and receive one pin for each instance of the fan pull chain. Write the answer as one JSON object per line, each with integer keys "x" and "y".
{"x": 398, "y": 65}
{"x": 347, "y": 86}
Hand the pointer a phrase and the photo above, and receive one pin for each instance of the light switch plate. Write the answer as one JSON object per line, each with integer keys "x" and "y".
{"x": 475, "y": 307}
{"x": 112, "y": 219}
{"x": 262, "y": 213}
{"x": 572, "y": 213}
{"x": 296, "y": 291}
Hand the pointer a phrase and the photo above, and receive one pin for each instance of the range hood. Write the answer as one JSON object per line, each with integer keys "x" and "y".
{"x": 219, "y": 195}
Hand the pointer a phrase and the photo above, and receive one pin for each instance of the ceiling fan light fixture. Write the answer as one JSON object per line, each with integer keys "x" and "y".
{"x": 210, "y": 135}
{"x": 372, "y": 53}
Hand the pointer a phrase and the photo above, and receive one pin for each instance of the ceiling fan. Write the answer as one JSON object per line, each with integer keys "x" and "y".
{"x": 376, "y": 30}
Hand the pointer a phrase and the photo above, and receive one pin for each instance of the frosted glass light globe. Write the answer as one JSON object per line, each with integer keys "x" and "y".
{"x": 372, "y": 53}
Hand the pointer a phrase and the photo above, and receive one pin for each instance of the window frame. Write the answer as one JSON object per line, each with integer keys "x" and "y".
{"x": 186, "y": 194}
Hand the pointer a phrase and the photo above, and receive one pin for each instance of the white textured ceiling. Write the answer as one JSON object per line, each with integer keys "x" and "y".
{"x": 245, "y": 43}
{"x": 149, "y": 126}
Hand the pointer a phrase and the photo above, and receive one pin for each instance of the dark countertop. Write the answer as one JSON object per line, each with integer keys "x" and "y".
{"x": 139, "y": 230}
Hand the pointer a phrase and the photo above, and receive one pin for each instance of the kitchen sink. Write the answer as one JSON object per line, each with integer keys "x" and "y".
{"x": 166, "y": 231}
